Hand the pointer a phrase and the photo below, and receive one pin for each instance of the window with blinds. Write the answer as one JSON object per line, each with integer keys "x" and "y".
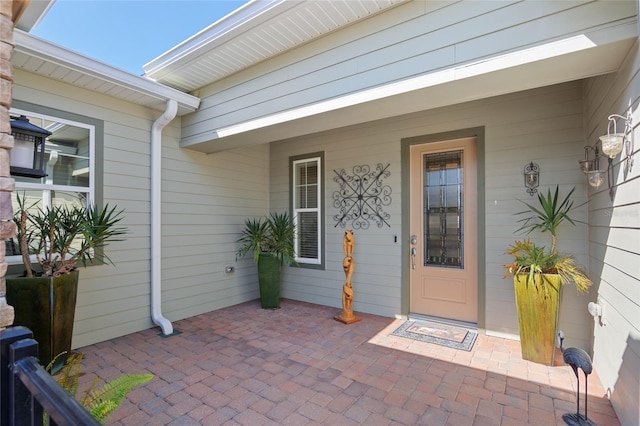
{"x": 306, "y": 202}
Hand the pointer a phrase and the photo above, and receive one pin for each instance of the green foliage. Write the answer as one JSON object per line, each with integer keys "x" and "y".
{"x": 273, "y": 234}
{"x": 99, "y": 228}
{"x": 103, "y": 401}
{"x": 549, "y": 215}
{"x": 282, "y": 231}
{"x": 100, "y": 401}
{"x": 62, "y": 236}
{"x": 530, "y": 259}
{"x": 254, "y": 238}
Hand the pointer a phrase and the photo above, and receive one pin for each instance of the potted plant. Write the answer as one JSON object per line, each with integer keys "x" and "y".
{"x": 270, "y": 240}
{"x": 539, "y": 274}
{"x": 60, "y": 237}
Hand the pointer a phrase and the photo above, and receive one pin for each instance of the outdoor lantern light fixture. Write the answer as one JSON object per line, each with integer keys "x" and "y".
{"x": 531, "y": 177}
{"x": 590, "y": 166}
{"x": 596, "y": 177}
{"x": 614, "y": 143}
{"x": 27, "y": 155}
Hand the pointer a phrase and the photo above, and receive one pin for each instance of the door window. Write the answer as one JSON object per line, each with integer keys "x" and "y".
{"x": 443, "y": 209}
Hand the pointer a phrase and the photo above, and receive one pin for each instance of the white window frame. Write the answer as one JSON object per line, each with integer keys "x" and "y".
{"x": 46, "y": 187}
{"x": 317, "y": 210}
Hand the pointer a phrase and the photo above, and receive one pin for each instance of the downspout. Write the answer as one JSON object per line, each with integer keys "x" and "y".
{"x": 156, "y": 218}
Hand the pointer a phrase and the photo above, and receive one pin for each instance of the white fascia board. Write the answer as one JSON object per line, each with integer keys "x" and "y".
{"x": 52, "y": 53}
{"x": 239, "y": 21}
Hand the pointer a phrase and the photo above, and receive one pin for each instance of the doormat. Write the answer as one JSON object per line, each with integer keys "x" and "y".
{"x": 447, "y": 335}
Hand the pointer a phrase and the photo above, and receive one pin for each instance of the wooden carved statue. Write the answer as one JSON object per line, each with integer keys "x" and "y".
{"x": 348, "y": 264}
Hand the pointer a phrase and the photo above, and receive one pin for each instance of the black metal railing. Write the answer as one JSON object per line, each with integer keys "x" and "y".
{"x": 27, "y": 390}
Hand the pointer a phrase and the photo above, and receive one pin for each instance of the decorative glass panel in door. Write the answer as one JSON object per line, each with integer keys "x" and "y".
{"x": 443, "y": 209}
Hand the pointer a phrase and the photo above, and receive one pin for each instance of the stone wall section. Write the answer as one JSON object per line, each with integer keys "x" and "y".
{"x": 7, "y": 227}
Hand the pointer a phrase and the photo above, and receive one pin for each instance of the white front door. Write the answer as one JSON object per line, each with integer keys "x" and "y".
{"x": 443, "y": 242}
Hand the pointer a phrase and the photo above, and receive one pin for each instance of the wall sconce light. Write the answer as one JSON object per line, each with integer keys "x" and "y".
{"x": 27, "y": 154}
{"x": 590, "y": 166}
{"x": 614, "y": 143}
{"x": 531, "y": 178}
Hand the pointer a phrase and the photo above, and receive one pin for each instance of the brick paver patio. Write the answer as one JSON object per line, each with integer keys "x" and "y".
{"x": 297, "y": 366}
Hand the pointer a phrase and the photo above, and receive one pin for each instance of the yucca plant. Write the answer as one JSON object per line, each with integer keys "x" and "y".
{"x": 282, "y": 232}
{"x": 65, "y": 235}
{"x": 270, "y": 240}
{"x": 539, "y": 274}
{"x": 254, "y": 238}
{"x": 273, "y": 234}
{"x": 531, "y": 259}
{"x": 549, "y": 215}
{"x": 101, "y": 401}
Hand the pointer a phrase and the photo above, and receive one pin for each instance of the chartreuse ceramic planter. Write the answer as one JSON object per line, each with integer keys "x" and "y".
{"x": 269, "y": 281}
{"x": 47, "y": 306}
{"x": 538, "y": 302}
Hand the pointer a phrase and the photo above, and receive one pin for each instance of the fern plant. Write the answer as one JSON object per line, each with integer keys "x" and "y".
{"x": 101, "y": 401}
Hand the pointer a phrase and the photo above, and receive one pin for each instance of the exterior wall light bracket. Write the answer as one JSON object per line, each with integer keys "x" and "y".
{"x": 614, "y": 143}
{"x": 531, "y": 178}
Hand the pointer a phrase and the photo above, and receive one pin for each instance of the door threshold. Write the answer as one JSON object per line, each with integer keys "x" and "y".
{"x": 444, "y": 321}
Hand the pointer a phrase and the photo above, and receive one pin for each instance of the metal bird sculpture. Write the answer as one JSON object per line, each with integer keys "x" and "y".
{"x": 577, "y": 359}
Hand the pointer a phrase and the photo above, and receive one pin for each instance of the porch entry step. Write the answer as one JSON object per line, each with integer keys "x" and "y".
{"x": 443, "y": 321}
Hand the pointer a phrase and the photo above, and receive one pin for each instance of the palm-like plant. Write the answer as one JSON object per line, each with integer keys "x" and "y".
{"x": 273, "y": 235}
{"x": 539, "y": 275}
{"x": 63, "y": 236}
{"x": 549, "y": 216}
{"x": 254, "y": 238}
{"x": 530, "y": 259}
{"x": 282, "y": 232}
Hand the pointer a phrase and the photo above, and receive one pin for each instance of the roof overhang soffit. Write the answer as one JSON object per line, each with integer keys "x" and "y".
{"x": 257, "y": 31}
{"x": 564, "y": 60}
{"x": 52, "y": 61}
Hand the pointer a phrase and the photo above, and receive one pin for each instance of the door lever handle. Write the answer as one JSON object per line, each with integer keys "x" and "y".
{"x": 413, "y": 257}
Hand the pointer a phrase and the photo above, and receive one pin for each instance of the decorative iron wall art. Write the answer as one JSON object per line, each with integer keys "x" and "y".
{"x": 362, "y": 197}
